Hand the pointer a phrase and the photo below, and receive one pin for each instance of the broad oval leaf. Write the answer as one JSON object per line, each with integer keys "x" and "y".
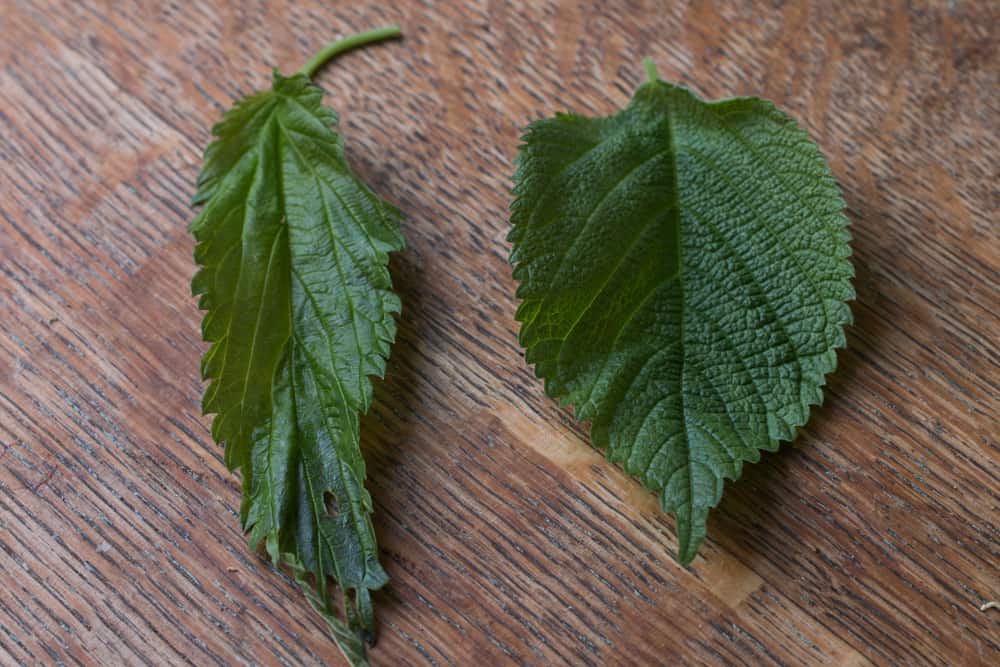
{"x": 293, "y": 251}
{"x": 683, "y": 270}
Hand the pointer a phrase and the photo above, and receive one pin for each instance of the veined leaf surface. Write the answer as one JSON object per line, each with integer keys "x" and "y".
{"x": 293, "y": 250}
{"x": 684, "y": 272}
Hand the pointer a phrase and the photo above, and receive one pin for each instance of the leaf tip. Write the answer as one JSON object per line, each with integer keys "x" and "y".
{"x": 688, "y": 545}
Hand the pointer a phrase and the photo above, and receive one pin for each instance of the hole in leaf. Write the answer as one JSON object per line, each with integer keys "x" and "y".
{"x": 330, "y": 501}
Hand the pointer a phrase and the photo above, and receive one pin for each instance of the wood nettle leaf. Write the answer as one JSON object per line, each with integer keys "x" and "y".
{"x": 684, "y": 269}
{"x": 293, "y": 250}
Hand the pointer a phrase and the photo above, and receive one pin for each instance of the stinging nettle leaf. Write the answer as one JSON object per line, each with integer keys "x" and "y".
{"x": 683, "y": 271}
{"x": 293, "y": 251}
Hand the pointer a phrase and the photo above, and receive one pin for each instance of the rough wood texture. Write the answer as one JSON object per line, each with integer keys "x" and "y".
{"x": 873, "y": 540}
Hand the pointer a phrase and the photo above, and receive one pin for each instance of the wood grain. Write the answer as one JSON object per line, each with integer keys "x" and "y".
{"x": 873, "y": 540}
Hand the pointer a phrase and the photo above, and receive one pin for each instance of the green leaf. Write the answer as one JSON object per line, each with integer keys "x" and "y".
{"x": 293, "y": 251}
{"x": 683, "y": 270}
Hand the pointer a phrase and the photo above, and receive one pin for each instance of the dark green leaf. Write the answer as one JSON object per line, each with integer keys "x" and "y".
{"x": 293, "y": 251}
{"x": 683, "y": 270}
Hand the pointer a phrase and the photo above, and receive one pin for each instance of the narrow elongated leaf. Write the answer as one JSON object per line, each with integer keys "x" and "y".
{"x": 683, "y": 270}
{"x": 293, "y": 251}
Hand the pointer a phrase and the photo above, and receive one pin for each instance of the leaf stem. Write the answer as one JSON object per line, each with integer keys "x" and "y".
{"x": 337, "y": 47}
{"x": 647, "y": 62}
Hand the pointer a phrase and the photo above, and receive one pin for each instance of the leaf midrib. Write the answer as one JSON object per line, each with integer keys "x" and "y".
{"x": 685, "y": 534}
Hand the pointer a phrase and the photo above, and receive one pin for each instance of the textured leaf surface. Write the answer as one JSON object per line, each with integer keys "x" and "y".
{"x": 293, "y": 251}
{"x": 683, "y": 271}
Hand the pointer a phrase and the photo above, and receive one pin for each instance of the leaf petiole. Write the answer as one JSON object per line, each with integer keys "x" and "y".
{"x": 647, "y": 63}
{"x": 337, "y": 47}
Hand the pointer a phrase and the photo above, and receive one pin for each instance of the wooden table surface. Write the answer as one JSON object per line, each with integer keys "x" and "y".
{"x": 508, "y": 540}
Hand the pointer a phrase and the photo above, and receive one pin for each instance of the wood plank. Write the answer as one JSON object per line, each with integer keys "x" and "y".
{"x": 873, "y": 540}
